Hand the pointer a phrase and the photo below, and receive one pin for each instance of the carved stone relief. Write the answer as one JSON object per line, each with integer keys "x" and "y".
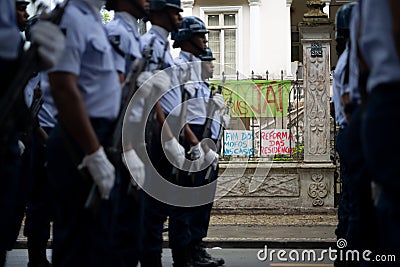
{"x": 318, "y": 190}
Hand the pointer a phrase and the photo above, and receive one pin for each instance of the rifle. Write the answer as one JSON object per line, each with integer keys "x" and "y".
{"x": 114, "y": 151}
{"x": 29, "y": 65}
{"x": 211, "y": 110}
{"x": 219, "y": 138}
{"x": 185, "y": 98}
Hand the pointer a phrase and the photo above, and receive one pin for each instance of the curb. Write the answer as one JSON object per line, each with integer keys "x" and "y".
{"x": 240, "y": 243}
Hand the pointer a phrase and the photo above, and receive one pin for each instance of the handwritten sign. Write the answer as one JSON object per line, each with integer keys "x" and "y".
{"x": 277, "y": 141}
{"x": 257, "y": 98}
{"x": 238, "y": 143}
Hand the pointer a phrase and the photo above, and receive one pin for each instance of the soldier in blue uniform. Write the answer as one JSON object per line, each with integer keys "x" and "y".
{"x": 87, "y": 94}
{"x": 340, "y": 93}
{"x": 192, "y": 41}
{"x": 50, "y": 49}
{"x": 124, "y": 36}
{"x": 165, "y": 18}
{"x": 379, "y": 71}
{"x": 200, "y": 218}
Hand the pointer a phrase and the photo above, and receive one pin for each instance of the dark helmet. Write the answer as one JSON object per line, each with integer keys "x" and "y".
{"x": 161, "y": 4}
{"x": 342, "y": 20}
{"x": 189, "y": 26}
{"x": 208, "y": 56}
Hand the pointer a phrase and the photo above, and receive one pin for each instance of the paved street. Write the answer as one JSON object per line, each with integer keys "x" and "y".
{"x": 233, "y": 258}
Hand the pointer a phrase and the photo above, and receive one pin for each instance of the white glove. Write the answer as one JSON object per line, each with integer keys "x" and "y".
{"x": 135, "y": 167}
{"x": 51, "y": 42}
{"x": 176, "y": 151}
{"x": 226, "y": 119}
{"x": 196, "y": 152}
{"x": 161, "y": 81}
{"x": 144, "y": 83}
{"x": 218, "y": 100}
{"x": 21, "y": 147}
{"x": 189, "y": 87}
{"x": 197, "y": 156}
{"x": 102, "y": 171}
{"x": 211, "y": 157}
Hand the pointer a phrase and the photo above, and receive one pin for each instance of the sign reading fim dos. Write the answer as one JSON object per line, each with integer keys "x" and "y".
{"x": 316, "y": 50}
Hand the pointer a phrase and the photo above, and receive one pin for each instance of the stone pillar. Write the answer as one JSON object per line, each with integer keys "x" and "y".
{"x": 289, "y": 74}
{"x": 316, "y": 35}
{"x": 255, "y": 24}
{"x": 187, "y": 6}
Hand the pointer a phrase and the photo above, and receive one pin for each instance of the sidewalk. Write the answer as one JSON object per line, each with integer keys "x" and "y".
{"x": 256, "y": 231}
{"x": 283, "y": 231}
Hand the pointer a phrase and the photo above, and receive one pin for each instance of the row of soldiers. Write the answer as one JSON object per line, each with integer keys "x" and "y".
{"x": 110, "y": 136}
{"x": 365, "y": 96}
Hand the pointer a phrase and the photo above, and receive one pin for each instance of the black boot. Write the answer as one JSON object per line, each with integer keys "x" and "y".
{"x": 153, "y": 260}
{"x": 37, "y": 253}
{"x": 201, "y": 257}
{"x": 181, "y": 257}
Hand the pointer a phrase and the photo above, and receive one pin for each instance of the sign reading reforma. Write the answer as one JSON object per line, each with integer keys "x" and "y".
{"x": 277, "y": 141}
{"x": 257, "y": 98}
{"x": 238, "y": 143}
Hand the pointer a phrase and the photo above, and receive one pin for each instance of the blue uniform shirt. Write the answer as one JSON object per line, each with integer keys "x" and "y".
{"x": 10, "y": 37}
{"x": 29, "y": 88}
{"x": 48, "y": 112}
{"x": 161, "y": 57}
{"x": 215, "y": 125}
{"x": 196, "y": 108}
{"x": 123, "y": 32}
{"x": 88, "y": 54}
{"x": 377, "y": 43}
{"x": 353, "y": 58}
{"x": 338, "y": 87}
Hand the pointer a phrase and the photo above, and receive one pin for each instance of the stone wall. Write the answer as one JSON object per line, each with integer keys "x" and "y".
{"x": 255, "y": 188}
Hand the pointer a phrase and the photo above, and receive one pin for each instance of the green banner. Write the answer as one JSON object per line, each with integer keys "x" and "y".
{"x": 256, "y": 98}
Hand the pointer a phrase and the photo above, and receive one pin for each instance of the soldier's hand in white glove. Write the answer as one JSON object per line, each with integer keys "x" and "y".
{"x": 135, "y": 167}
{"x": 226, "y": 119}
{"x": 175, "y": 152}
{"x": 197, "y": 156}
{"x": 161, "y": 81}
{"x": 149, "y": 81}
{"x": 51, "y": 42}
{"x": 101, "y": 170}
{"x": 211, "y": 157}
{"x": 218, "y": 100}
{"x": 144, "y": 83}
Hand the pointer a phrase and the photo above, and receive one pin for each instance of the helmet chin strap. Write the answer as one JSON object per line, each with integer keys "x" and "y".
{"x": 201, "y": 50}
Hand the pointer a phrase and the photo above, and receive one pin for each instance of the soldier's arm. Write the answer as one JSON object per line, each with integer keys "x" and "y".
{"x": 72, "y": 111}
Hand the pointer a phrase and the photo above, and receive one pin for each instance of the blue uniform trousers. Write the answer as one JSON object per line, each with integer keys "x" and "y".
{"x": 155, "y": 211}
{"x": 39, "y": 207}
{"x": 80, "y": 237}
{"x": 191, "y": 223}
{"x": 127, "y": 224}
{"x": 343, "y": 207}
{"x": 10, "y": 166}
{"x": 381, "y": 145}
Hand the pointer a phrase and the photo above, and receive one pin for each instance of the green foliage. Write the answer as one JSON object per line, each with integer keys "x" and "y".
{"x": 107, "y": 15}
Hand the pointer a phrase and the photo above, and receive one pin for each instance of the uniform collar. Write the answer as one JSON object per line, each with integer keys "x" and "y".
{"x": 130, "y": 20}
{"x": 163, "y": 33}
